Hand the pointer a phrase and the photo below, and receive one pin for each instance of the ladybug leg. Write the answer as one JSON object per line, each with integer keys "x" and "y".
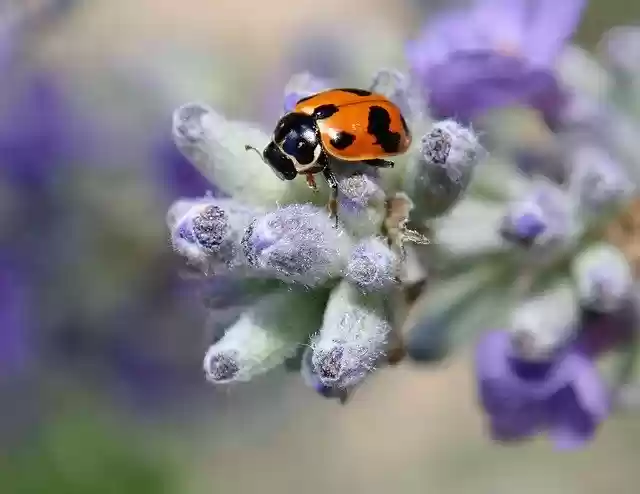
{"x": 333, "y": 184}
{"x": 311, "y": 182}
{"x": 378, "y": 163}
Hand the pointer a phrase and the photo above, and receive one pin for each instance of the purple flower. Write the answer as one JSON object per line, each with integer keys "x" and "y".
{"x": 497, "y": 53}
{"x": 179, "y": 177}
{"x": 15, "y": 317}
{"x": 563, "y": 396}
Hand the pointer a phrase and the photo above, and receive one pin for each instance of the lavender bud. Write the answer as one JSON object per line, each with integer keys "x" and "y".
{"x": 373, "y": 265}
{"x": 297, "y": 243}
{"x": 542, "y": 324}
{"x": 597, "y": 182}
{"x": 436, "y": 180}
{"x": 217, "y": 147}
{"x": 352, "y": 337}
{"x": 264, "y": 336}
{"x": 210, "y": 232}
{"x": 543, "y": 219}
{"x": 312, "y": 380}
{"x": 362, "y": 203}
{"x": 603, "y": 278}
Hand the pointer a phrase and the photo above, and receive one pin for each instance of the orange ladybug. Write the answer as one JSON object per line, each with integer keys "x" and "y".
{"x": 346, "y": 124}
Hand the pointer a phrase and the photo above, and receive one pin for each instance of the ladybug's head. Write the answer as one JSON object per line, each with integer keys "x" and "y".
{"x": 294, "y": 148}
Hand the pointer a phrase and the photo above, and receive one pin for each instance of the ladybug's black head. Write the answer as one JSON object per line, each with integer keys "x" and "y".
{"x": 279, "y": 162}
{"x": 294, "y": 148}
{"x": 297, "y": 136}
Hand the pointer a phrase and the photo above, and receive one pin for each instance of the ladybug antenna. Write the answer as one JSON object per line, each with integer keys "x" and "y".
{"x": 251, "y": 148}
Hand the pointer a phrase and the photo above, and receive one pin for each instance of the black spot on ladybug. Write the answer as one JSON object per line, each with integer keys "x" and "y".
{"x": 357, "y": 92}
{"x": 405, "y": 127}
{"x": 325, "y": 111}
{"x": 342, "y": 140}
{"x": 380, "y": 127}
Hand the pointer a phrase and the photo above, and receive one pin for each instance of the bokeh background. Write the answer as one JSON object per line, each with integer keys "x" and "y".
{"x": 101, "y": 340}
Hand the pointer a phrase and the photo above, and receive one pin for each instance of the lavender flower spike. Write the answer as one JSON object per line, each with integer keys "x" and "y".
{"x": 216, "y": 147}
{"x": 352, "y": 339}
{"x": 264, "y": 336}
{"x": 542, "y": 220}
{"x": 437, "y": 179}
{"x": 603, "y": 278}
{"x": 297, "y": 243}
{"x": 563, "y": 395}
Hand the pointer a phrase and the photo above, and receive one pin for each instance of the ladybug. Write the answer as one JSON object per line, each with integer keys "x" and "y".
{"x": 350, "y": 125}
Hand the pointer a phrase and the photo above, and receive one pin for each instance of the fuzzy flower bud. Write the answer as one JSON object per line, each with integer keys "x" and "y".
{"x": 542, "y": 324}
{"x": 449, "y": 153}
{"x": 264, "y": 336}
{"x": 372, "y": 265}
{"x": 352, "y": 339}
{"x": 543, "y": 219}
{"x": 216, "y": 146}
{"x": 312, "y": 380}
{"x": 362, "y": 203}
{"x": 597, "y": 182}
{"x": 603, "y": 277}
{"x": 209, "y": 232}
{"x": 297, "y": 243}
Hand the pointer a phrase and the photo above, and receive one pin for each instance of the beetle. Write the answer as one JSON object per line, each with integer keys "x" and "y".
{"x": 350, "y": 125}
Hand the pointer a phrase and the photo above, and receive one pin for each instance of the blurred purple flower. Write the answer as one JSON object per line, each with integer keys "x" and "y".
{"x": 15, "y": 317}
{"x": 495, "y": 54}
{"x": 33, "y": 140}
{"x": 179, "y": 178}
{"x": 564, "y": 396}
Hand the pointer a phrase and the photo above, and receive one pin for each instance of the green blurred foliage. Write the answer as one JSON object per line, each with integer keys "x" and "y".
{"x": 603, "y": 14}
{"x": 81, "y": 454}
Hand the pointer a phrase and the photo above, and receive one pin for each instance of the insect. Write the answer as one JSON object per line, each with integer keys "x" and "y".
{"x": 350, "y": 125}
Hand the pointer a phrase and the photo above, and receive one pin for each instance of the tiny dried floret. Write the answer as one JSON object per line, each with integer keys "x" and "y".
{"x": 220, "y": 367}
{"x": 436, "y": 146}
{"x": 210, "y": 227}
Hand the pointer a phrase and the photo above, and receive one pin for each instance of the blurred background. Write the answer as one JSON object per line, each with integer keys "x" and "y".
{"x": 101, "y": 341}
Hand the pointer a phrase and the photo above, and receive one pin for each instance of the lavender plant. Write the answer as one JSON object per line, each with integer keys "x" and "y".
{"x": 305, "y": 282}
{"x": 548, "y": 256}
